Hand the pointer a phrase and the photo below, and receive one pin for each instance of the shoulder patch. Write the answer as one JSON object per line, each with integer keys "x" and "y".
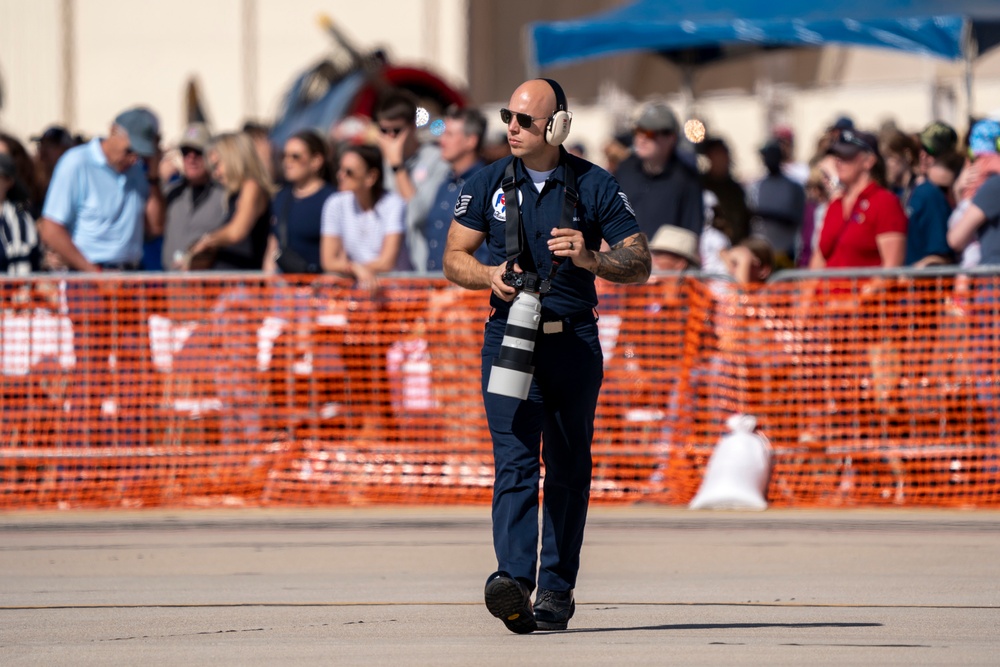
{"x": 628, "y": 206}
{"x": 462, "y": 205}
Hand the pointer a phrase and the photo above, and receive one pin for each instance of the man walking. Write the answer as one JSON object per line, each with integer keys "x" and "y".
{"x": 561, "y": 207}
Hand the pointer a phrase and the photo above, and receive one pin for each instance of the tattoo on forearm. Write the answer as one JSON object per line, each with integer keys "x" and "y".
{"x": 626, "y": 262}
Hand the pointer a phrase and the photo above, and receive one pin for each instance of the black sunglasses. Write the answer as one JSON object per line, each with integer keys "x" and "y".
{"x": 186, "y": 151}
{"x": 523, "y": 119}
{"x": 391, "y": 131}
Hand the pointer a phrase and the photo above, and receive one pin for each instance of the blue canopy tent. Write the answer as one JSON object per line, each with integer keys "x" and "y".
{"x": 955, "y": 29}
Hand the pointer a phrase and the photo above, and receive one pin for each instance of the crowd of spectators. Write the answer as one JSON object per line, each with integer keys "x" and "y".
{"x": 381, "y": 199}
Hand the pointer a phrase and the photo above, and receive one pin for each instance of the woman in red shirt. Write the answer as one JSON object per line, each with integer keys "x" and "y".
{"x": 865, "y": 227}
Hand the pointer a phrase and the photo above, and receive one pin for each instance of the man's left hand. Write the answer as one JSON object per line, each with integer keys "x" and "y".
{"x": 567, "y": 242}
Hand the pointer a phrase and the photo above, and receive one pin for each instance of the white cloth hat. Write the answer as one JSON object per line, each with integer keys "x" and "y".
{"x": 679, "y": 241}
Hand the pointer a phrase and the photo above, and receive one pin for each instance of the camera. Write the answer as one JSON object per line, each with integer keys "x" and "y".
{"x": 522, "y": 281}
{"x": 512, "y": 371}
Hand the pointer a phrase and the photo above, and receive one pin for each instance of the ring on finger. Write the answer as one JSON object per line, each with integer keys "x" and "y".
{"x": 571, "y": 245}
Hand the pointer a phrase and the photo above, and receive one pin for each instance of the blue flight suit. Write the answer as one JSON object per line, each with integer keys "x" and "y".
{"x": 568, "y": 368}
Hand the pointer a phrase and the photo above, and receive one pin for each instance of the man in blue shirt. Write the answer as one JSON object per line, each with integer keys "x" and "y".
{"x": 103, "y": 196}
{"x": 460, "y": 142}
{"x": 561, "y": 229}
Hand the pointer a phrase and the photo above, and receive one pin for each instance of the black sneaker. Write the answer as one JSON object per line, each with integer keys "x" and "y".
{"x": 553, "y": 609}
{"x": 510, "y": 600}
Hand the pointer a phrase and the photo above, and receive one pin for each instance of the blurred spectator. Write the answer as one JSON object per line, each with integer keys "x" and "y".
{"x": 983, "y": 162}
{"x": 817, "y": 200}
{"x": 298, "y": 206}
{"x": 196, "y": 205}
{"x": 103, "y": 194}
{"x": 412, "y": 169}
{"x": 363, "y": 224}
{"x": 460, "y": 143}
{"x": 102, "y": 197}
{"x": 977, "y": 216}
{"x": 944, "y": 173}
{"x": 785, "y": 138}
{"x": 27, "y": 189}
{"x": 240, "y": 243}
{"x": 662, "y": 188}
{"x": 51, "y": 144}
{"x": 901, "y": 152}
{"x": 749, "y": 261}
{"x": 927, "y": 207}
{"x": 260, "y": 134}
{"x": 495, "y": 147}
{"x": 777, "y": 204}
{"x": 865, "y": 226}
{"x": 674, "y": 248}
{"x": 713, "y": 240}
{"x": 616, "y": 150}
{"x": 20, "y": 253}
{"x": 731, "y": 195}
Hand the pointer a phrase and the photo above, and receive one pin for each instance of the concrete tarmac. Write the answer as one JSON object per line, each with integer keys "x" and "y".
{"x": 404, "y": 586}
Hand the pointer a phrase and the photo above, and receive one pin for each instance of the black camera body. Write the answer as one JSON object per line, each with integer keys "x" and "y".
{"x": 525, "y": 282}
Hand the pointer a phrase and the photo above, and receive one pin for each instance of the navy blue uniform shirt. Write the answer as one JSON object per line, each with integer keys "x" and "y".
{"x": 602, "y": 212}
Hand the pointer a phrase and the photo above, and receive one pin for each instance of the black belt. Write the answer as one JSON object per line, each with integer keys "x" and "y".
{"x": 583, "y": 317}
{"x": 119, "y": 266}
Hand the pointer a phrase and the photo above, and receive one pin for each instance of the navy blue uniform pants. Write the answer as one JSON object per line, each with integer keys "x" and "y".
{"x": 555, "y": 423}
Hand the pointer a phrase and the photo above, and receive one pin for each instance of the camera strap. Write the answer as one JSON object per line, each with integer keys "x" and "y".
{"x": 515, "y": 230}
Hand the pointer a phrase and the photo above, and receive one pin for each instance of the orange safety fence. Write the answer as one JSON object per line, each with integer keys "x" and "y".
{"x": 211, "y": 390}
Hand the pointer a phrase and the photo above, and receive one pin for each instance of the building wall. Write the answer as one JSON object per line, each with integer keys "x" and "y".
{"x": 128, "y": 52}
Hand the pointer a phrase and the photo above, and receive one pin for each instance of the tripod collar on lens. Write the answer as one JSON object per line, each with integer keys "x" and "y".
{"x": 515, "y": 230}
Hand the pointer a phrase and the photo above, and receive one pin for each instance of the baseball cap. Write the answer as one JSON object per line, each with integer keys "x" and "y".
{"x": 55, "y": 134}
{"x": 143, "y": 130}
{"x": 7, "y": 167}
{"x": 677, "y": 240}
{"x": 985, "y": 137}
{"x": 657, "y": 117}
{"x": 843, "y": 123}
{"x": 196, "y": 136}
{"x": 939, "y": 138}
{"x": 851, "y": 142}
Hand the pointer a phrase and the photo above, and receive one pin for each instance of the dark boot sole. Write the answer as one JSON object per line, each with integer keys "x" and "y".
{"x": 546, "y": 625}
{"x": 505, "y": 600}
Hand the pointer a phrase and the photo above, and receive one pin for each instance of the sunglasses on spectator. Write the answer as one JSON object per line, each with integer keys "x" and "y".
{"x": 650, "y": 134}
{"x": 391, "y": 131}
{"x": 523, "y": 119}
{"x": 295, "y": 157}
{"x": 347, "y": 171}
{"x": 188, "y": 152}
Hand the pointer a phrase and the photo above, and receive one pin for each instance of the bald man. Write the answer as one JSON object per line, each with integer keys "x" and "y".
{"x": 565, "y": 208}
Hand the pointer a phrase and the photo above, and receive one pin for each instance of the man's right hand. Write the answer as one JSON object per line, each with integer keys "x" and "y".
{"x": 500, "y": 288}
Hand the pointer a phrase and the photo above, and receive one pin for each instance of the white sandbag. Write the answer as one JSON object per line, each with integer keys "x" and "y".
{"x": 737, "y": 473}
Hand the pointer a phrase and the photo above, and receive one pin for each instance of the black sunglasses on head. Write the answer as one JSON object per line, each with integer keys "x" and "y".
{"x": 523, "y": 119}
